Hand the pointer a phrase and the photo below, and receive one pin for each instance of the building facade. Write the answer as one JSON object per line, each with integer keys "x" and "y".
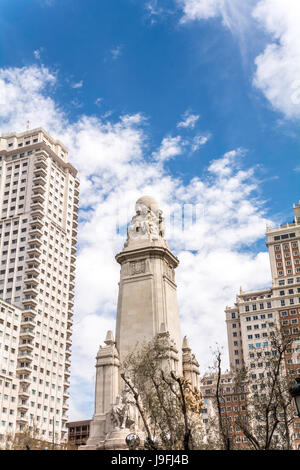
{"x": 256, "y": 315}
{"x": 259, "y": 315}
{"x": 38, "y": 233}
{"x": 78, "y": 432}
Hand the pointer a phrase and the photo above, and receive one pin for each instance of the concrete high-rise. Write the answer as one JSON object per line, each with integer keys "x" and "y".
{"x": 38, "y": 234}
{"x": 258, "y": 315}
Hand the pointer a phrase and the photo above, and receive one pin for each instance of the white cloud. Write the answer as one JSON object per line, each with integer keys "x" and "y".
{"x": 98, "y": 101}
{"x": 170, "y": 148}
{"x": 277, "y": 72}
{"x": 77, "y": 84}
{"x": 234, "y": 13}
{"x": 199, "y": 140}
{"x": 114, "y": 171}
{"x": 278, "y": 67}
{"x": 200, "y": 9}
{"x": 37, "y": 53}
{"x": 116, "y": 52}
{"x": 189, "y": 120}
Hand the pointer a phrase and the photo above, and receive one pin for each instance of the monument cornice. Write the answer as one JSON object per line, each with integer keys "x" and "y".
{"x": 148, "y": 251}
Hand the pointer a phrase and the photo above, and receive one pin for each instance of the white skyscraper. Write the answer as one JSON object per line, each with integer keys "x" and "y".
{"x": 38, "y": 234}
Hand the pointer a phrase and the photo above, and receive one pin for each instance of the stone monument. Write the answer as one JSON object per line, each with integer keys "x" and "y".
{"x": 147, "y": 306}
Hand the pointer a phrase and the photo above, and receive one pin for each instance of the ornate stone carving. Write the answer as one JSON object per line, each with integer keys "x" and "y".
{"x": 169, "y": 272}
{"x": 148, "y": 223}
{"x": 122, "y": 414}
{"x": 138, "y": 267}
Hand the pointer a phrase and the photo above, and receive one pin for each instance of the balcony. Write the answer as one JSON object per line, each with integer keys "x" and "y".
{"x": 74, "y": 232}
{"x": 68, "y": 362}
{"x": 72, "y": 275}
{"x": 39, "y": 188}
{"x": 23, "y": 369}
{"x": 40, "y": 171}
{"x": 36, "y": 206}
{"x": 69, "y": 341}
{"x": 21, "y": 420}
{"x": 71, "y": 295}
{"x": 37, "y": 211}
{"x": 39, "y": 180}
{"x": 73, "y": 258}
{"x": 24, "y": 392}
{"x": 24, "y": 380}
{"x": 33, "y": 280}
{"x": 35, "y": 230}
{"x": 29, "y": 301}
{"x": 32, "y": 267}
{"x": 25, "y": 346}
{"x": 38, "y": 197}
{"x": 30, "y": 290}
{"x": 68, "y": 354}
{"x": 42, "y": 162}
{"x": 72, "y": 269}
{"x": 34, "y": 250}
{"x": 22, "y": 406}
{"x": 37, "y": 222}
{"x": 36, "y": 240}
{"x": 25, "y": 355}
{"x": 26, "y": 333}
{"x": 28, "y": 322}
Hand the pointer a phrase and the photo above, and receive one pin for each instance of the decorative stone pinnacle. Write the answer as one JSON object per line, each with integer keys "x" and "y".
{"x": 185, "y": 343}
{"x": 109, "y": 340}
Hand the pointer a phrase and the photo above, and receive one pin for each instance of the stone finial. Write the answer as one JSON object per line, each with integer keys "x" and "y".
{"x": 185, "y": 344}
{"x": 109, "y": 340}
{"x": 162, "y": 328}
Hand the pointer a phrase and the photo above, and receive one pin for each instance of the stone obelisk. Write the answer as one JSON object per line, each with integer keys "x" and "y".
{"x": 147, "y": 306}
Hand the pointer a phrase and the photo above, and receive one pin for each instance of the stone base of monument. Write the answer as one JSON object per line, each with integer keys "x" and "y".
{"x": 115, "y": 440}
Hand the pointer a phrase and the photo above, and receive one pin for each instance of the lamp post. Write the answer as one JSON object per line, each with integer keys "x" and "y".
{"x": 295, "y": 392}
{"x": 132, "y": 441}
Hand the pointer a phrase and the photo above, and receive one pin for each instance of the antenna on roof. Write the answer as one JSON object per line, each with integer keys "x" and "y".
{"x": 28, "y": 125}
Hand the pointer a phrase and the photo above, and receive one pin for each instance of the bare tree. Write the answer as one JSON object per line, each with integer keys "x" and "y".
{"x": 270, "y": 411}
{"x": 169, "y": 407}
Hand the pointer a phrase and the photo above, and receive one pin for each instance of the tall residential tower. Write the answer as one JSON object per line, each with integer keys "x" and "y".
{"x": 38, "y": 233}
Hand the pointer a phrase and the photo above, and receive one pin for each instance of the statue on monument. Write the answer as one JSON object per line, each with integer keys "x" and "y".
{"x": 122, "y": 414}
{"x": 147, "y": 223}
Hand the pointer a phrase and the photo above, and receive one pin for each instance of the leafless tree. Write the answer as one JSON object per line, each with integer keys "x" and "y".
{"x": 169, "y": 407}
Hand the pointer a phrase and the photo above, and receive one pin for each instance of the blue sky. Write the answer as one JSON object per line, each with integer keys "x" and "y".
{"x": 194, "y": 101}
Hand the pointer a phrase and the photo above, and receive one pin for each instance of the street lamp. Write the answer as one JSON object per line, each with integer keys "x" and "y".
{"x": 151, "y": 443}
{"x": 132, "y": 441}
{"x": 295, "y": 392}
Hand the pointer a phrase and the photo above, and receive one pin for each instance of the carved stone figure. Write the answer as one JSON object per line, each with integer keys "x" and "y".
{"x": 148, "y": 221}
{"x": 123, "y": 412}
